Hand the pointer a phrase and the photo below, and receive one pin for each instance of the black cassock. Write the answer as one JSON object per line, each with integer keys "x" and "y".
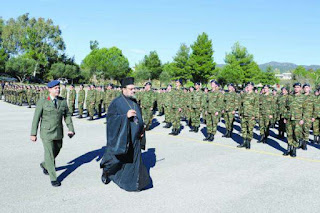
{"x": 122, "y": 158}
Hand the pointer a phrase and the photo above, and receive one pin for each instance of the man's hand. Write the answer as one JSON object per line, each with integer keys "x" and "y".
{"x": 33, "y": 138}
{"x": 301, "y": 122}
{"x": 131, "y": 113}
{"x": 71, "y": 134}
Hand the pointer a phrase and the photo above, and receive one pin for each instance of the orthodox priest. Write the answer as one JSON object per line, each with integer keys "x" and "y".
{"x": 122, "y": 162}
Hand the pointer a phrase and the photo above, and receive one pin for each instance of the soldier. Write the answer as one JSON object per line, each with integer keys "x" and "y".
{"x": 87, "y": 101}
{"x": 274, "y": 102}
{"x": 249, "y": 112}
{"x": 316, "y": 115}
{"x": 195, "y": 107}
{"x": 213, "y": 109}
{"x": 307, "y": 114}
{"x": 50, "y": 112}
{"x": 98, "y": 100}
{"x": 81, "y": 99}
{"x": 231, "y": 103}
{"x": 266, "y": 109}
{"x": 147, "y": 100}
{"x": 281, "y": 104}
{"x": 294, "y": 120}
{"x": 167, "y": 108}
{"x": 176, "y": 107}
{"x": 108, "y": 97}
{"x": 91, "y": 97}
{"x": 160, "y": 102}
{"x": 72, "y": 99}
{"x": 64, "y": 91}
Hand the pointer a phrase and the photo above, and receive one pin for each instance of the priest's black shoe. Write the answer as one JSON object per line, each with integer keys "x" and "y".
{"x": 55, "y": 183}
{"x": 45, "y": 171}
{"x": 104, "y": 178}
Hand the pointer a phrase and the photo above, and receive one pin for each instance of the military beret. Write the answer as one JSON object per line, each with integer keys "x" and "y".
{"x": 231, "y": 84}
{"x": 72, "y": 85}
{"x": 179, "y": 80}
{"x": 297, "y": 84}
{"x": 266, "y": 85}
{"x": 81, "y": 85}
{"x": 306, "y": 85}
{"x": 148, "y": 83}
{"x": 197, "y": 83}
{"x": 250, "y": 83}
{"x": 53, "y": 83}
{"x": 213, "y": 81}
{"x": 282, "y": 88}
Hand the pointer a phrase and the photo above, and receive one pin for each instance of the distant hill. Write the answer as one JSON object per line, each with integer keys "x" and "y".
{"x": 283, "y": 67}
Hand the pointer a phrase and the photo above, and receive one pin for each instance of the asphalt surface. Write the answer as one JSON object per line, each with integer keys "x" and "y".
{"x": 188, "y": 175}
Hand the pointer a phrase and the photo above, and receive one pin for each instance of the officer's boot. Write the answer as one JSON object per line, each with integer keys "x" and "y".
{"x": 294, "y": 152}
{"x": 288, "y": 152}
{"x": 262, "y": 138}
{"x": 244, "y": 144}
{"x": 207, "y": 138}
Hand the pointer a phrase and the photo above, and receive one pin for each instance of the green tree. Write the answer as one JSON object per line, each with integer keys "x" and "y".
{"x": 20, "y": 67}
{"x": 200, "y": 64}
{"x": 94, "y": 45}
{"x": 231, "y": 73}
{"x": 268, "y": 77}
{"x": 180, "y": 62}
{"x": 141, "y": 72}
{"x": 37, "y": 39}
{"x": 57, "y": 70}
{"x": 153, "y": 64}
{"x": 3, "y": 59}
{"x": 165, "y": 75}
{"x": 242, "y": 65}
{"x": 106, "y": 63}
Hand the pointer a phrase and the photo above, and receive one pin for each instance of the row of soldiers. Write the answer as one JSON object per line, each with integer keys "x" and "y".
{"x": 296, "y": 112}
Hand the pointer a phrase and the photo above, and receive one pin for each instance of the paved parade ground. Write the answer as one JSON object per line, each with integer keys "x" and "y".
{"x": 188, "y": 175}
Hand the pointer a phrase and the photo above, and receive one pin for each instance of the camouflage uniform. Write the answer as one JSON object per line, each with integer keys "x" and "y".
{"x": 308, "y": 113}
{"x": 195, "y": 98}
{"x": 147, "y": 99}
{"x": 91, "y": 97}
{"x": 98, "y": 101}
{"x": 266, "y": 109}
{"x": 316, "y": 115}
{"x": 72, "y": 101}
{"x": 231, "y": 103}
{"x": 81, "y": 99}
{"x": 175, "y": 98}
{"x": 282, "y": 110}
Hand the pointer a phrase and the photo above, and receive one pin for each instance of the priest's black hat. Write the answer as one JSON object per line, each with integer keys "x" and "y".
{"x": 126, "y": 81}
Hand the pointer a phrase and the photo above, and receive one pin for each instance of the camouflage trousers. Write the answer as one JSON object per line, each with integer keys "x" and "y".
{"x": 229, "y": 119}
{"x": 306, "y": 128}
{"x": 147, "y": 115}
{"x": 195, "y": 117}
{"x": 176, "y": 117}
{"x": 98, "y": 106}
{"x": 71, "y": 107}
{"x": 161, "y": 108}
{"x": 90, "y": 109}
{"x": 264, "y": 124}
{"x": 167, "y": 114}
{"x": 282, "y": 125}
{"x": 316, "y": 127}
{"x": 247, "y": 125}
{"x": 212, "y": 123}
{"x": 29, "y": 101}
{"x": 80, "y": 108}
{"x": 294, "y": 132}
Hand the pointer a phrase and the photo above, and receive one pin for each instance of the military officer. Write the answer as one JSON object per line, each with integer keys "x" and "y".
{"x": 64, "y": 91}
{"x": 72, "y": 99}
{"x": 49, "y": 113}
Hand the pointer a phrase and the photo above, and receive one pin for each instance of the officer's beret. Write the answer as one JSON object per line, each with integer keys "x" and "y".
{"x": 250, "y": 83}
{"x": 297, "y": 84}
{"x": 306, "y": 85}
{"x": 148, "y": 83}
{"x": 126, "y": 81}
{"x": 197, "y": 83}
{"x": 53, "y": 83}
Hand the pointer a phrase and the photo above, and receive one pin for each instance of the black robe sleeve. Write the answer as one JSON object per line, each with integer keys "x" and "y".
{"x": 118, "y": 130}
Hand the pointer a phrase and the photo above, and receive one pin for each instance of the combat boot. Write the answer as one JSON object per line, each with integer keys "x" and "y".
{"x": 318, "y": 139}
{"x": 196, "y": 129}
{"x": 207, "y": 138}
{"x": 191, "y": 129}
{"x": 300, "y": 143}
{"x": 262, "y": 138}
{"x": 294, "y": 152}
{"x": 211, "y": 137}
{"x": 168, "y": 125}
{"x": 80, "y": 116}
{"x": 244, "y": 144}
{"x": 304, "y": 145}
{"x": 248, "y": 144}
{"x": 226, "y": 134}
{"x": 288, "y": 152}
{"x": 90, "y": 119}
{"x": 173, "y": 132}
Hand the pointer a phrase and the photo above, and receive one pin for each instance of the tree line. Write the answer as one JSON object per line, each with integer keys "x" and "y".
{"x": 34, "y": 48}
